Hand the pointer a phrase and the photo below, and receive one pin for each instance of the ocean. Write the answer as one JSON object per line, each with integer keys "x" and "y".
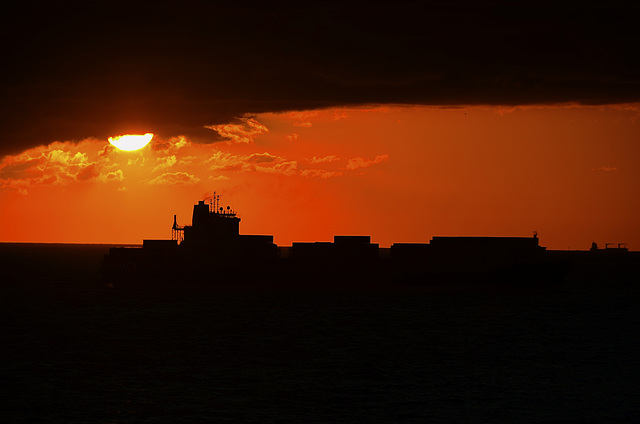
{"x": 75, "y": 351}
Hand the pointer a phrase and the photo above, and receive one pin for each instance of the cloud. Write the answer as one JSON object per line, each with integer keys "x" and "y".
{"x": 339, "y": 114}
{"x": 170, "y": 161}
{"x": 64, "y": 157}
{"x": 302, "y": 119}
{"x": 165, "y": 162}
{"x": 88, "y": 172}
{"x": 116, "y": 175}
{"x": 272, "y": 164}
{"x": 169, "y": 146}
{"x": 260, "y": 162}
{"x": 16, "y": 186}
{"x": 244, "y": 132}
{"x": 175, "y": 178}
{"x": 188, "y": 75}
{"x": 223, "y": 161}
{"x": 261, "y": 158}
{"x": 268, "y": 163}
{"x": 360, "y": 162}
{"x": 56, "y": 164}
{"x": 288, "y": 168}
{"x": 17, "y": 170}
{"x": 320, "y": 173}
{"x": 324, "y": 159}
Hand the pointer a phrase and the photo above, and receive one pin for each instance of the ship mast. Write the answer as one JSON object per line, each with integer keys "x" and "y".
{"x": 214, "y": 203}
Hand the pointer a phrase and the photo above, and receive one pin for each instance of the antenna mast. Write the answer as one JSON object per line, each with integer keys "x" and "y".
{"x": 214, "y": 203}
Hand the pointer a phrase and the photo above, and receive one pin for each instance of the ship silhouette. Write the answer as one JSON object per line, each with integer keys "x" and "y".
{"x": 212, "y": 252}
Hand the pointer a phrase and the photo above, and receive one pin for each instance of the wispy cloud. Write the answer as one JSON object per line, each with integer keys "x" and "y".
{"x": 260, "y": 162}
{"x": 324, "y": 159}
{"x": 244, "y": 132}
{"x": 605, "y": 169}
{"x": 339, "y": 114}
{"x": 261, "y": 158}
{"x": 175, "y": 178}
{"x": 320, "y": 173}
{"x": 302, "y": 119}
{"x": 165, "y": 162}
{"x": 360, "y": 162}
{"x": 169, "y": 146}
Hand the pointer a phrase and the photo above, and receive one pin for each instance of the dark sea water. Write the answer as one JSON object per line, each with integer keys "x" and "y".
{"x": 74, "y": 351}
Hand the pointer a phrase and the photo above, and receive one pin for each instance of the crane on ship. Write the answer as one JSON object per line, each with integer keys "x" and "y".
{"x": 177, "y": 231}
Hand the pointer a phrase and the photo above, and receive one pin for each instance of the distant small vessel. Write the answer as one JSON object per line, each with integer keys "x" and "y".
{"x": 212, "y": 252}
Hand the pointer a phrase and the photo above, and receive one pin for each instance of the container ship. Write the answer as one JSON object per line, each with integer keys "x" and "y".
{"x": 211, "y": 252}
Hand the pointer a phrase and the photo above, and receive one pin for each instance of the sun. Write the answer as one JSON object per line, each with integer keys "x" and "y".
{"x": 130, "y": 142}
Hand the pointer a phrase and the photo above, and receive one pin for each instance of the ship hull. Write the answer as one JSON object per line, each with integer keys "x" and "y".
{"x": 184, "y": 271}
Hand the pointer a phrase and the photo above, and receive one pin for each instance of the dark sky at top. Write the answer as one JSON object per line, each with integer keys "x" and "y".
{"x": 72, "y": 71}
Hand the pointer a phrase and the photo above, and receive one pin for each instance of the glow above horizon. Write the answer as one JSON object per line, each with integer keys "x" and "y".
{"x": 398, "y": 174}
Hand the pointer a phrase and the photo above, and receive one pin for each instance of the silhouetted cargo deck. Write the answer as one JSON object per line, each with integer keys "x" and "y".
{"x": 211, "y": 251}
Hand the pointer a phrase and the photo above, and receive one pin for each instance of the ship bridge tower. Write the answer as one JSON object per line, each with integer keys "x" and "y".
{"x": 212, "y": 226}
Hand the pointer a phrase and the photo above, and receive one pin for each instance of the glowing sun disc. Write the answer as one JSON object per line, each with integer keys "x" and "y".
{"x": 130, "y": 142}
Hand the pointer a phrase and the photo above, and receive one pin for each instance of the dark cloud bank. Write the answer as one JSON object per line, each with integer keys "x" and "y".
{"x": 73, "y": 71}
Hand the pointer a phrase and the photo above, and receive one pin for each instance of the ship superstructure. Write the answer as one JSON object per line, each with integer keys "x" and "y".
{"x": 215, "y": 232}
{"x": 212, "y": 226}
{"x": 210, "y": 245}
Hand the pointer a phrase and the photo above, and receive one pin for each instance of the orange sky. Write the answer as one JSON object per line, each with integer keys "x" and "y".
{"x": 397, "y": 173}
